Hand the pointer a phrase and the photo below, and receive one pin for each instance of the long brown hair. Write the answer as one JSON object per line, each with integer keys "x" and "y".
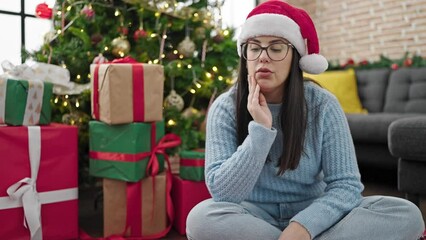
{"x": 293, "y": 113}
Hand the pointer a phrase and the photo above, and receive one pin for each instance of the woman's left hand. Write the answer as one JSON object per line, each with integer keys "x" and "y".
{"x": 295, "y": 231}
{"x": 257, "y": 105}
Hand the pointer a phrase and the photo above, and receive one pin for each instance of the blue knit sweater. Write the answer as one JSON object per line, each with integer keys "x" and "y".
{"x": 327, "y": 177}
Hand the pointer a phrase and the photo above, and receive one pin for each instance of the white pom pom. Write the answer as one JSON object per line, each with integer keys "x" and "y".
{"x": 313, "y": 64}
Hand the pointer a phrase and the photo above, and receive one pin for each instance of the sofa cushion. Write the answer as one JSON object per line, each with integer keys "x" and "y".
{"x": 372, "y": 84}
{"x": 342, "y": 84}
{"x": 407, "y": 138}
{"x": 406, "y": 92}
{"x": 373, "y": 127}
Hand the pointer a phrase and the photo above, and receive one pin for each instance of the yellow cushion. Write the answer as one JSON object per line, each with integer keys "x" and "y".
{"x": 342, "y": 84}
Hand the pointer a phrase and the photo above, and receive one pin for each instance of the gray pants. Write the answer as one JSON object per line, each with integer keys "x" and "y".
{"x": 376, "y": 218}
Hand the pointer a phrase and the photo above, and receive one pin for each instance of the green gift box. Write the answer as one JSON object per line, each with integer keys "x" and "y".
{"x": 123, "y": 151}
{"x": 25, "y": 102}
{"x": 192, "y": 165}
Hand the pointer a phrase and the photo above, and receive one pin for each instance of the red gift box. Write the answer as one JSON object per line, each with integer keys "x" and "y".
{"x": 38, "y": 166}
{"x": 186, "y": 194}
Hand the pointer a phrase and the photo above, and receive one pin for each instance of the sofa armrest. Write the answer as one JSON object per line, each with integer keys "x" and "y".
{"x": 407, "y": 138}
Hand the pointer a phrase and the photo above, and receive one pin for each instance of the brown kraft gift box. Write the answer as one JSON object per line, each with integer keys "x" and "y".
{"x": 127, "y": 92}
{"x": 154, "y": 221}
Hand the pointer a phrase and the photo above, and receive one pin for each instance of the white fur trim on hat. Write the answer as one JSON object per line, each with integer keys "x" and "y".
{"x": 313, "y": 63}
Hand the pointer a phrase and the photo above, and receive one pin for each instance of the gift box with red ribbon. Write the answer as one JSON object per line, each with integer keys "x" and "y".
{"x": 186, "y": 194}
{"x": 140, "y": 210}
{"x": 126, "y": 91}
{"x": 192, "y": 165}
{"x": 24, "y": 102}
{"x": 39, "y": 182}
{"x": 128, "y": 152}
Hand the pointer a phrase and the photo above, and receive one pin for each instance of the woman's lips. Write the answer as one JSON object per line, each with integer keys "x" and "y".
{"x": 263, "y": 73}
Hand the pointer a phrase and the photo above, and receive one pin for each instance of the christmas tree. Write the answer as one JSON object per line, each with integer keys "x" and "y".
{"x": 187, "y": 37}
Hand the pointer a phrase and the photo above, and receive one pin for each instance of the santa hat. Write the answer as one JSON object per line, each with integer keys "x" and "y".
{"x": 277, "y": 18}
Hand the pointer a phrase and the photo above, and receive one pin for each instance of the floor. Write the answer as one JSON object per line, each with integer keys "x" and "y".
{"x": 376, "y": 183}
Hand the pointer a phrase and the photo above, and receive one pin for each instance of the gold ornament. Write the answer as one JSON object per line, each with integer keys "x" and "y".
{"x": 120, "y": 46}
{"x": 191, "y": 112}
{"x": 186, "y": 47}
{"x": 174, "y": 100}
{"x": 200, "y": 33}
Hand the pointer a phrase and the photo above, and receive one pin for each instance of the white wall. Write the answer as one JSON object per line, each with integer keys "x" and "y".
{"x": 235, "y": 12}
{"x": 10, "y": 25}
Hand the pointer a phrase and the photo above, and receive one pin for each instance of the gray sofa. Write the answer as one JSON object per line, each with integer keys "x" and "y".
{"x": 407, "y": 142}
{"x": 388, "y": 95}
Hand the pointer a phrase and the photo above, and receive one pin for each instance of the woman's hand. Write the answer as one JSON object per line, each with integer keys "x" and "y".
{"x": 257, "y": 105}
{"x": 295, "y": 231}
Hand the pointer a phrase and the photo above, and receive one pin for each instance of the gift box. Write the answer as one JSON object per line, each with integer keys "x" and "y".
{"x": 128, "y": 152}
{"x": 141, "y": 209}
{"x": 174, "y": 163}
{"x": 39, "y": 182}
{"x": 127, "y": 92}
{"x": 186, "y": 194}
{"x": 24, "y": 102}
{"x": 192, "y": 165}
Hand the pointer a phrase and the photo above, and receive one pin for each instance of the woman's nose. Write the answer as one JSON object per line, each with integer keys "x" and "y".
{"x": 264, "y": 56}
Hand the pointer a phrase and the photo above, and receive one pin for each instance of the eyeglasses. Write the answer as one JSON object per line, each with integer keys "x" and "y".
{"x": 275, "y": 51}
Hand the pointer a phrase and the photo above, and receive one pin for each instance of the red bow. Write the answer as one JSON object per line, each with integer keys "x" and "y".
{"x": 127, "y": 59}
{"x": 167, "y": 141}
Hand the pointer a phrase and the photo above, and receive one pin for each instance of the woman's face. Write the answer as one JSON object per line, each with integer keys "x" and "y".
{"x": 268, "y": 61}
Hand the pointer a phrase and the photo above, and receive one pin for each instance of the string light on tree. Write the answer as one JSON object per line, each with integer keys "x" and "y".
{"x": 171, "y": 122}
{"x": 117, "y": 13}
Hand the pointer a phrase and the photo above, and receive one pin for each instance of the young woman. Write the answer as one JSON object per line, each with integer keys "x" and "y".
{"x": 280, "y": 161}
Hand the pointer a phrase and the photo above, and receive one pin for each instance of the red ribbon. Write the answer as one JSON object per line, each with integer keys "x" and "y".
{"x": 96, "y": 93}
{"x": 167, "y": 141}
{"x": 83, "y": 235}
{"x": 120, "y": 157}
{"x": 192, "y": 162}
{"x": 138, "y": 89}
{"x": 126, "y": 59}
{"x": 134, "y": 208}
{"x": 138, "y": 94}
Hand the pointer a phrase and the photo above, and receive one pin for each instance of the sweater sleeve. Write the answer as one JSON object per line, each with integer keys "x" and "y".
{"x": 231, "y": 170}
{"x": 341, "y": 174}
